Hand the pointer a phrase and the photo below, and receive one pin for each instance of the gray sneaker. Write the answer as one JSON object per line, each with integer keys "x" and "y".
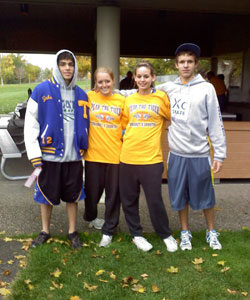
{"x": 96, "y": 223}
{"x": 186, "y": 238}
{"x": 212, "y": 239}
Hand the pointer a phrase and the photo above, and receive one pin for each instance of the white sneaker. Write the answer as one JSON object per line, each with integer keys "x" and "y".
{"x": 106, "y": 240}
{"x": 186, "y": 237}
{"x": 171, "y": 244}
{"x": 96, "y": 223}
{"x": 212, "y": 239}
{"x": 142, "y": 244}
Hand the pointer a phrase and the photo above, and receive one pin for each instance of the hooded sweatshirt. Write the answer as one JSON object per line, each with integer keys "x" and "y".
{"x": 57, "y": 119}
{"x": 195, "y": 116}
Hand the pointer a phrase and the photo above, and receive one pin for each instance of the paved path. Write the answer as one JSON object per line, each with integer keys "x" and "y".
{"x": 19, "y": 213}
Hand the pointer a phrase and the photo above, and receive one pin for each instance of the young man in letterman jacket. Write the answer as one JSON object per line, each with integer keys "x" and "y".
{"x": 56, "y": 135}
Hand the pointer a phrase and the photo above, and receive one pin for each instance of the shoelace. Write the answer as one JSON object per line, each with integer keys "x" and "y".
{"x": 213, "y": 237}
{"x": 185, "y": 238}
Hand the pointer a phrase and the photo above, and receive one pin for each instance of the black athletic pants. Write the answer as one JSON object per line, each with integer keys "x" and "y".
{"x": 150, "y": 177}
{"x": 100, "y": 177}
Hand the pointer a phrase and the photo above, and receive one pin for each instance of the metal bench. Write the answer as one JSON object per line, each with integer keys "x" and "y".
{"x": 9, "y": 150}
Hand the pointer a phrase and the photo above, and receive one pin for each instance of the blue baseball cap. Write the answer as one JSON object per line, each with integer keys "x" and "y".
{"x": 190, "y": 47}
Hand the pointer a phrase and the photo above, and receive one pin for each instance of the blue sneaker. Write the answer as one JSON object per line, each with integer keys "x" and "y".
{"x": 186, "y": 238}
{"x": 212, "y": 239}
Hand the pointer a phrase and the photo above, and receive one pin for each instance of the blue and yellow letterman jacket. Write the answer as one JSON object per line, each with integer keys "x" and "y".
{"x": 44, "y": 132}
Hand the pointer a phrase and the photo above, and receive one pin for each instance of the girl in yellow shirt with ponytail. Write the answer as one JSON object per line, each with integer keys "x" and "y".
{"x": 103, "y": 155}
{"x": 141, "y": 161}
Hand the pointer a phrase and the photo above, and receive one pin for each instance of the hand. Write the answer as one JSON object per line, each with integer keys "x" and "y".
{"x": 217, "y": 166}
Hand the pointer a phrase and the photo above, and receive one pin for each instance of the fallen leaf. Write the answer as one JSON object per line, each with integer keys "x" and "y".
{"x": 112, "y": 275}
{"x": 198, "y": 261}
{"x": 244, "y": 293}
{"x": 75, "y": 298}
{"x": 117, "y": 257}
{"x": 127, "y": 279}
{"x": 231, "y": 292}
{"x": 27, "y": 281}
{"x": 215, "y": 254}
{"x": 144, "y": 275}
{"x": 30, "y": 287}
{"x": 225, "y": 269}
{"x": 217, "y": 208}
{"x": 119, "y": 239}
{"x": 134, "y": 281}
{"x": 172, "y": 269}
{"x": 138, "y": 288}
{"x": 85, "y": 233}
{"x": 55, "y": 249}
{"x": 155, "y": 288}
{"x": 102, "y": 280}
{"x": 78, "y": 274}
{"x": 89, "y": 286}
{"x": 64, "y": 260}
{"x": 198, "y": 268}
{"x": 158, "y": 252}
{"x": 204, "y": 248}
{"x": 100, "y": 272}
{"x": 26, "y": 246}
{"x": 3, "y": 283}
{"x": 8, "y": 239}
{"x": 20, "y": 256}
{"x": 6, "y": 273}
{"x": 221, "y": 263}
{"x": 10, "y": 262}
{"x": 56, "y": 273}
{"x": 4, "y": 292}
{"x": 57, "y": 285}
{"x": 22, "y": 263}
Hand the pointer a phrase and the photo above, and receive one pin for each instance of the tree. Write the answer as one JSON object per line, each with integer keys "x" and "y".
{"x": 20, "y": 73}
{"x": 84, "y": 65}
{"x": 32, "y": 72}
{"x": 7, "y": 69}
{"x": 46, "y": 74}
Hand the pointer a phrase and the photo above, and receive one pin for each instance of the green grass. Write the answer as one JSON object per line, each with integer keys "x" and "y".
{"x": 125, "y": 261}
{"x": 11, "y": 94}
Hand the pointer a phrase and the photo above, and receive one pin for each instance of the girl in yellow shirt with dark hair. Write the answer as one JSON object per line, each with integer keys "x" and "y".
{"x": 141, "y": 158}
{"x": 103, "y": 155}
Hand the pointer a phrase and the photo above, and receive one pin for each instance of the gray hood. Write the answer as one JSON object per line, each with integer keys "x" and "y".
{"x": 196, "y": 80}
{"x": 57, "y": 74}
{"x": 195, "y": 115}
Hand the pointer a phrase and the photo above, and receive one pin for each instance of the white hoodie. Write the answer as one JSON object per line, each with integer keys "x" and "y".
{"x": 195, "y": 115}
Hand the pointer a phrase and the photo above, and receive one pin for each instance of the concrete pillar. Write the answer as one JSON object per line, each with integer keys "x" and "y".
{"x": 108, "y": 39}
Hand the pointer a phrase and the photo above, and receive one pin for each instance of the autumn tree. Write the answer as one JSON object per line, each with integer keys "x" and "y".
{"x": 84, "y": 65}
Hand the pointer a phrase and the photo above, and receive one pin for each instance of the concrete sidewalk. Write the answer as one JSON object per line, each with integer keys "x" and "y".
{"x": 20, "y": 214}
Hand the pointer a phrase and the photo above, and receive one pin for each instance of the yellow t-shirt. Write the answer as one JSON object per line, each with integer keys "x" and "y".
{"x": 145, "y": 116}
{"x": 105, "y": 132}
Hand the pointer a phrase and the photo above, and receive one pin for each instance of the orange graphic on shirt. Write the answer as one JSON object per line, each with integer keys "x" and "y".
{"x": 104, "y": 117}
{"x": 142, "y": 116}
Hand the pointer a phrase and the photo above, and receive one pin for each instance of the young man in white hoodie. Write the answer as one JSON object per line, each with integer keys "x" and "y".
{"x": 56, "y": 135}
{"x": 195, "y": 120}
